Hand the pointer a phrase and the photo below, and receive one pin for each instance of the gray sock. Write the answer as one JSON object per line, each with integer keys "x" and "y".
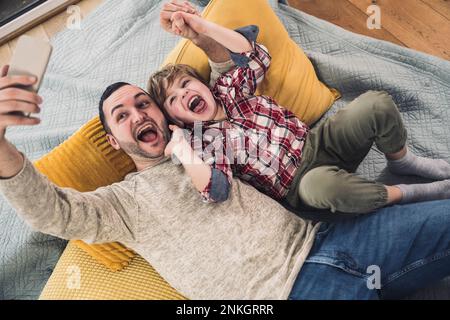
{"x": 438, "y": 190}
{"x": 410, "y": 164}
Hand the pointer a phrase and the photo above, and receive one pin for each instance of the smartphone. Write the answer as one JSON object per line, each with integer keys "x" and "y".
{"x": 30, "y": 58}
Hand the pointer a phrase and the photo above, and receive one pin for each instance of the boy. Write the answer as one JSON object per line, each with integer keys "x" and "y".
{"x": 251, "y": 137}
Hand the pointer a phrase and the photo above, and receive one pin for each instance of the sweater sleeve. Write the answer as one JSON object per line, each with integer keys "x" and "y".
{"x": 104, "y": 215}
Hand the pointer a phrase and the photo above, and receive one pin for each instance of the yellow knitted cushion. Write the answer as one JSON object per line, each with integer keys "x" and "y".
{"x": 291, "y": 79}
{"x": 85, "y": 162}
{"x": 78, "y": 276}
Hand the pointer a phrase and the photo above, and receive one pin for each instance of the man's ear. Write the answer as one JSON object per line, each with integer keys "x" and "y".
{"x": 112, "y": 141}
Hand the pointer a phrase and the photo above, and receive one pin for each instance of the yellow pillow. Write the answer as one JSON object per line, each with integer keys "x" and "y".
{"x": 79, "y": 277}
{"x": 291, "y": 79}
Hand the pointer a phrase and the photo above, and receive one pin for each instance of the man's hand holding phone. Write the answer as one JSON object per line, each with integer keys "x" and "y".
{"x": 19, "y": 83}
{"x": 16, "y": 102}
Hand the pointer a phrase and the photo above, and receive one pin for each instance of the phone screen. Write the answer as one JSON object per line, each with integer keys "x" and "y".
{"x": 30, "y": 58}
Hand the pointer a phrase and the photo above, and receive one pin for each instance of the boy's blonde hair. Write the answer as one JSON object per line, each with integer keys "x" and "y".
{"x": 161, "y": 80}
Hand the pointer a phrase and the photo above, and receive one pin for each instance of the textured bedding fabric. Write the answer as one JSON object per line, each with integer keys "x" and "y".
{"x": 122, "y": 41}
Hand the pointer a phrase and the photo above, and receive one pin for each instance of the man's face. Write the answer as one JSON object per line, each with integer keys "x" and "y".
{"x": 137, "y": 125}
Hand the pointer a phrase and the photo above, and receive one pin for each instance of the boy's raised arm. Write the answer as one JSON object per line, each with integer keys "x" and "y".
{"x": 176, "y": 25}
{"x": 230, "y": 39}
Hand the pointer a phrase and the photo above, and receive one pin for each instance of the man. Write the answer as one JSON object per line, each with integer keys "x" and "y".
{"x": 248, "y": 247}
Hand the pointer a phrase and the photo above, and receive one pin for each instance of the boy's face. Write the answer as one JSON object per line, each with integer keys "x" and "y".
{"x": 190, "y": 100}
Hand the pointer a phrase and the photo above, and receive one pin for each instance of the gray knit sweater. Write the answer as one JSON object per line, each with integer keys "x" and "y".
{"x": 248, "y": 247}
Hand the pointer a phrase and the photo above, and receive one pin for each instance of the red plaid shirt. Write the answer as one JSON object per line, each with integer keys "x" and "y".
{"x": 261, "y": 142}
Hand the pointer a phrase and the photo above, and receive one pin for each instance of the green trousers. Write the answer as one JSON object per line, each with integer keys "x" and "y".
{"x": 334, "y": 149}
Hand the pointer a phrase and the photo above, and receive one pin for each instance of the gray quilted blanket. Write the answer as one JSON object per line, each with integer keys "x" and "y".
{"x": 122, "y": 40}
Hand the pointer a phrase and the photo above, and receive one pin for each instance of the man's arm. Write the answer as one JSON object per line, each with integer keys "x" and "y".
{"x": 96, "y": 216}
{"x": 11, "y": 161}
{"x": 104, "y": 215}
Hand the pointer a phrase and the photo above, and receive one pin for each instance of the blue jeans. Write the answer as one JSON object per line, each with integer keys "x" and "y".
{"x": 388, "y": 254}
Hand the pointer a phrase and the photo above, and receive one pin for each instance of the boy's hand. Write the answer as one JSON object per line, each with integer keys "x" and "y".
{"x": 177, "y": 27}
{"x": 194, "y": 22}
{"x": 176, "y": 143}
{"x": 14, "y": 102}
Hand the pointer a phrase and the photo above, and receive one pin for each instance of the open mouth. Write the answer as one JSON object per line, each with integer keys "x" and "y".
{"x": 147, "y": 134}
{"x": 197, "y": 104}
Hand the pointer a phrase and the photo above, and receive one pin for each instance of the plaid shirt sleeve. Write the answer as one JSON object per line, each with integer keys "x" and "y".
{"x": 213, "y": 154}
{"x": 251, "y": 67}
{"x": 218, "y": 188}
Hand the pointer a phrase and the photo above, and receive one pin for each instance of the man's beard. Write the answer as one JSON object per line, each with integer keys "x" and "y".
{"x": 132, "y": 148}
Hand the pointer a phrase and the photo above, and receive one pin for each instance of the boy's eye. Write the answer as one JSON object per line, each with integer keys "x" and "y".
{"x": 185, "y": 82}
{"x": 171, "y": 100}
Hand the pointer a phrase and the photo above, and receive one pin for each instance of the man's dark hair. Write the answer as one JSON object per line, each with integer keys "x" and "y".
{"x": 106, "y": 94}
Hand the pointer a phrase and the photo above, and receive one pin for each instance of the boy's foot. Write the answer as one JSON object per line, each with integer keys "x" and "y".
{"x": 438, "y": 190}
{"x": 410, "y": 164}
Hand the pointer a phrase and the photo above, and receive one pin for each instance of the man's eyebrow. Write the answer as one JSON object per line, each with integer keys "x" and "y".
{"x": 116, "y": 107}
{"x": 121, "y": 105}
{"x": 140, "y": 94}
